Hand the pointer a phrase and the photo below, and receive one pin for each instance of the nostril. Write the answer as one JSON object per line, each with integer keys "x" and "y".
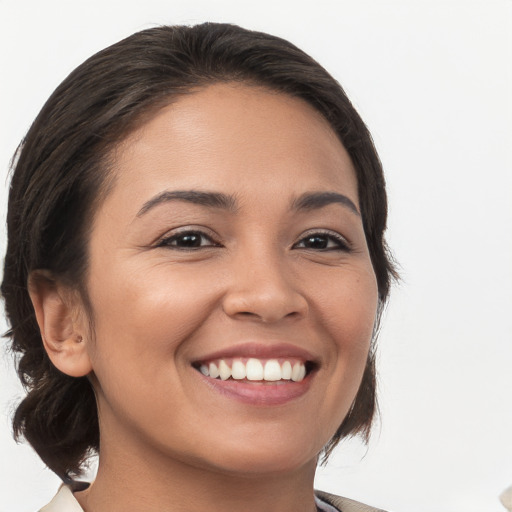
{"x": 246, "y": 314}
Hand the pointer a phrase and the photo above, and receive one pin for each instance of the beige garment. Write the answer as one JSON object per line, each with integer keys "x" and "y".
{"x": 506, "y": 498}
{"x": 345, "y": 504}
{"x": 64, "y": 501}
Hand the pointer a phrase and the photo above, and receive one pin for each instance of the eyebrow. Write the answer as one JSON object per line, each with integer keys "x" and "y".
{"x": 307, "y": 201}
{"x": 208, "y": 199}
{"x": 316, "y": 200}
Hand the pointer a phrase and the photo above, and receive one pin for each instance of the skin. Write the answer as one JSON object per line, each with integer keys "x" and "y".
{"x": 169, "y": 441}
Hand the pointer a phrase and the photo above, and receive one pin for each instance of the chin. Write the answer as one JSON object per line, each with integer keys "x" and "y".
{"x": 251, "y": 459}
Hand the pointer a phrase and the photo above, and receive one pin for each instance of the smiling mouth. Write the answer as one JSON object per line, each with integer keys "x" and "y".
{"x": 256, "y": 370}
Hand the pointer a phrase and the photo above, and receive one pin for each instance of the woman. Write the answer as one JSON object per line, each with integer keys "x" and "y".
{"x": 194, "y": 274}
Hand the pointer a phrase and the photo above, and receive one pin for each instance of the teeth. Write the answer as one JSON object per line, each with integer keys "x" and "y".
{"x": 255, "y": 370}
{"x": 224, "y": 370}
{"x": 298, "y": 372}
{"x": 286, "y": 370}
{"x": 272, "y": 370}
{"x": 214, "y": 371}
{"x": 238, "y": 370}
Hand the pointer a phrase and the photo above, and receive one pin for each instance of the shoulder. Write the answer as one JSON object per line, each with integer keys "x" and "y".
{"x": 63, "y": 501}
{"x": 345, "y": 504}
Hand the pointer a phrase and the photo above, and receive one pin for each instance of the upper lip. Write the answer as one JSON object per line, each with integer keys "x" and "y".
{"x": 260, "y": 351}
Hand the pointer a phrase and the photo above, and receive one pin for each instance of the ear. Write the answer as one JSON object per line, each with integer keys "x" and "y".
{"x": 60, "y": 316}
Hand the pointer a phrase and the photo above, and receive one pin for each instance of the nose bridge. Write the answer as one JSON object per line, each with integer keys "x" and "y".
{"x": 263, "y": 285}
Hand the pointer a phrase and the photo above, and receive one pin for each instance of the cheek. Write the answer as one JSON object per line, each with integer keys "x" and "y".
{"x": 141, "y": 320}
{"x": 347, "y": 307}
{"x": 347, "y": 318}
{"x": 143, "y": 316}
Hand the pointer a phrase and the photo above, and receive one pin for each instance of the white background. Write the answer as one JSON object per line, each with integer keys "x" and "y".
{"x": 433, "y": 80}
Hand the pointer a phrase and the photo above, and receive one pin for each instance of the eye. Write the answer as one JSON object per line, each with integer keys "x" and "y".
{"x": 323, "y": 241}
{"x": 188, "y": 240}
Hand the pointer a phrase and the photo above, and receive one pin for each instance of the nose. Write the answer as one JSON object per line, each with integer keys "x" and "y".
{"x": 264, "y": 289}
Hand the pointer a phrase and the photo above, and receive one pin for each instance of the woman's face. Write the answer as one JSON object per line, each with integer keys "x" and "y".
{"x": 231, "y": 241}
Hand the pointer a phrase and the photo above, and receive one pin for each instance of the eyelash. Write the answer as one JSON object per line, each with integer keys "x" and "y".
{"x": 338, "y": 242}
{"x": 168, "y": 241}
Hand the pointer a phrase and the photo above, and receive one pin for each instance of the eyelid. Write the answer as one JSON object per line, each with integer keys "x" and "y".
{"x": 344, "y": 243}
{"x": 163, "y": 241}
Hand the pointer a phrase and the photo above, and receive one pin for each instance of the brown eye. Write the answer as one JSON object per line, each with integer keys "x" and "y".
{"x": 188, "y": 240}
{"x": 316, "y": 242}
{"x": 323, "y": 242}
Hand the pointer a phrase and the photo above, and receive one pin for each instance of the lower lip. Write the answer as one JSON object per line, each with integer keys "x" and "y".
{"x": 259, "y": 393}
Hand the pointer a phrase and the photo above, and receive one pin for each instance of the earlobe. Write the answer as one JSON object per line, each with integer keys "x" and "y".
{"x": 56, "y": 308}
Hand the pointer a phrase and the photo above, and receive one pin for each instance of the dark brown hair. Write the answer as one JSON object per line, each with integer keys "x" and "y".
{"x": 60, "y": 174}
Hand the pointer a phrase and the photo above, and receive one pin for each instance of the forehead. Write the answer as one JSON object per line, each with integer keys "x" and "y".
{"x": 239, "y": 138}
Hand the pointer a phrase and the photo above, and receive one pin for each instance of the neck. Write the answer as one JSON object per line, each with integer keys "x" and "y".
{"x": 129, "y": 481}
